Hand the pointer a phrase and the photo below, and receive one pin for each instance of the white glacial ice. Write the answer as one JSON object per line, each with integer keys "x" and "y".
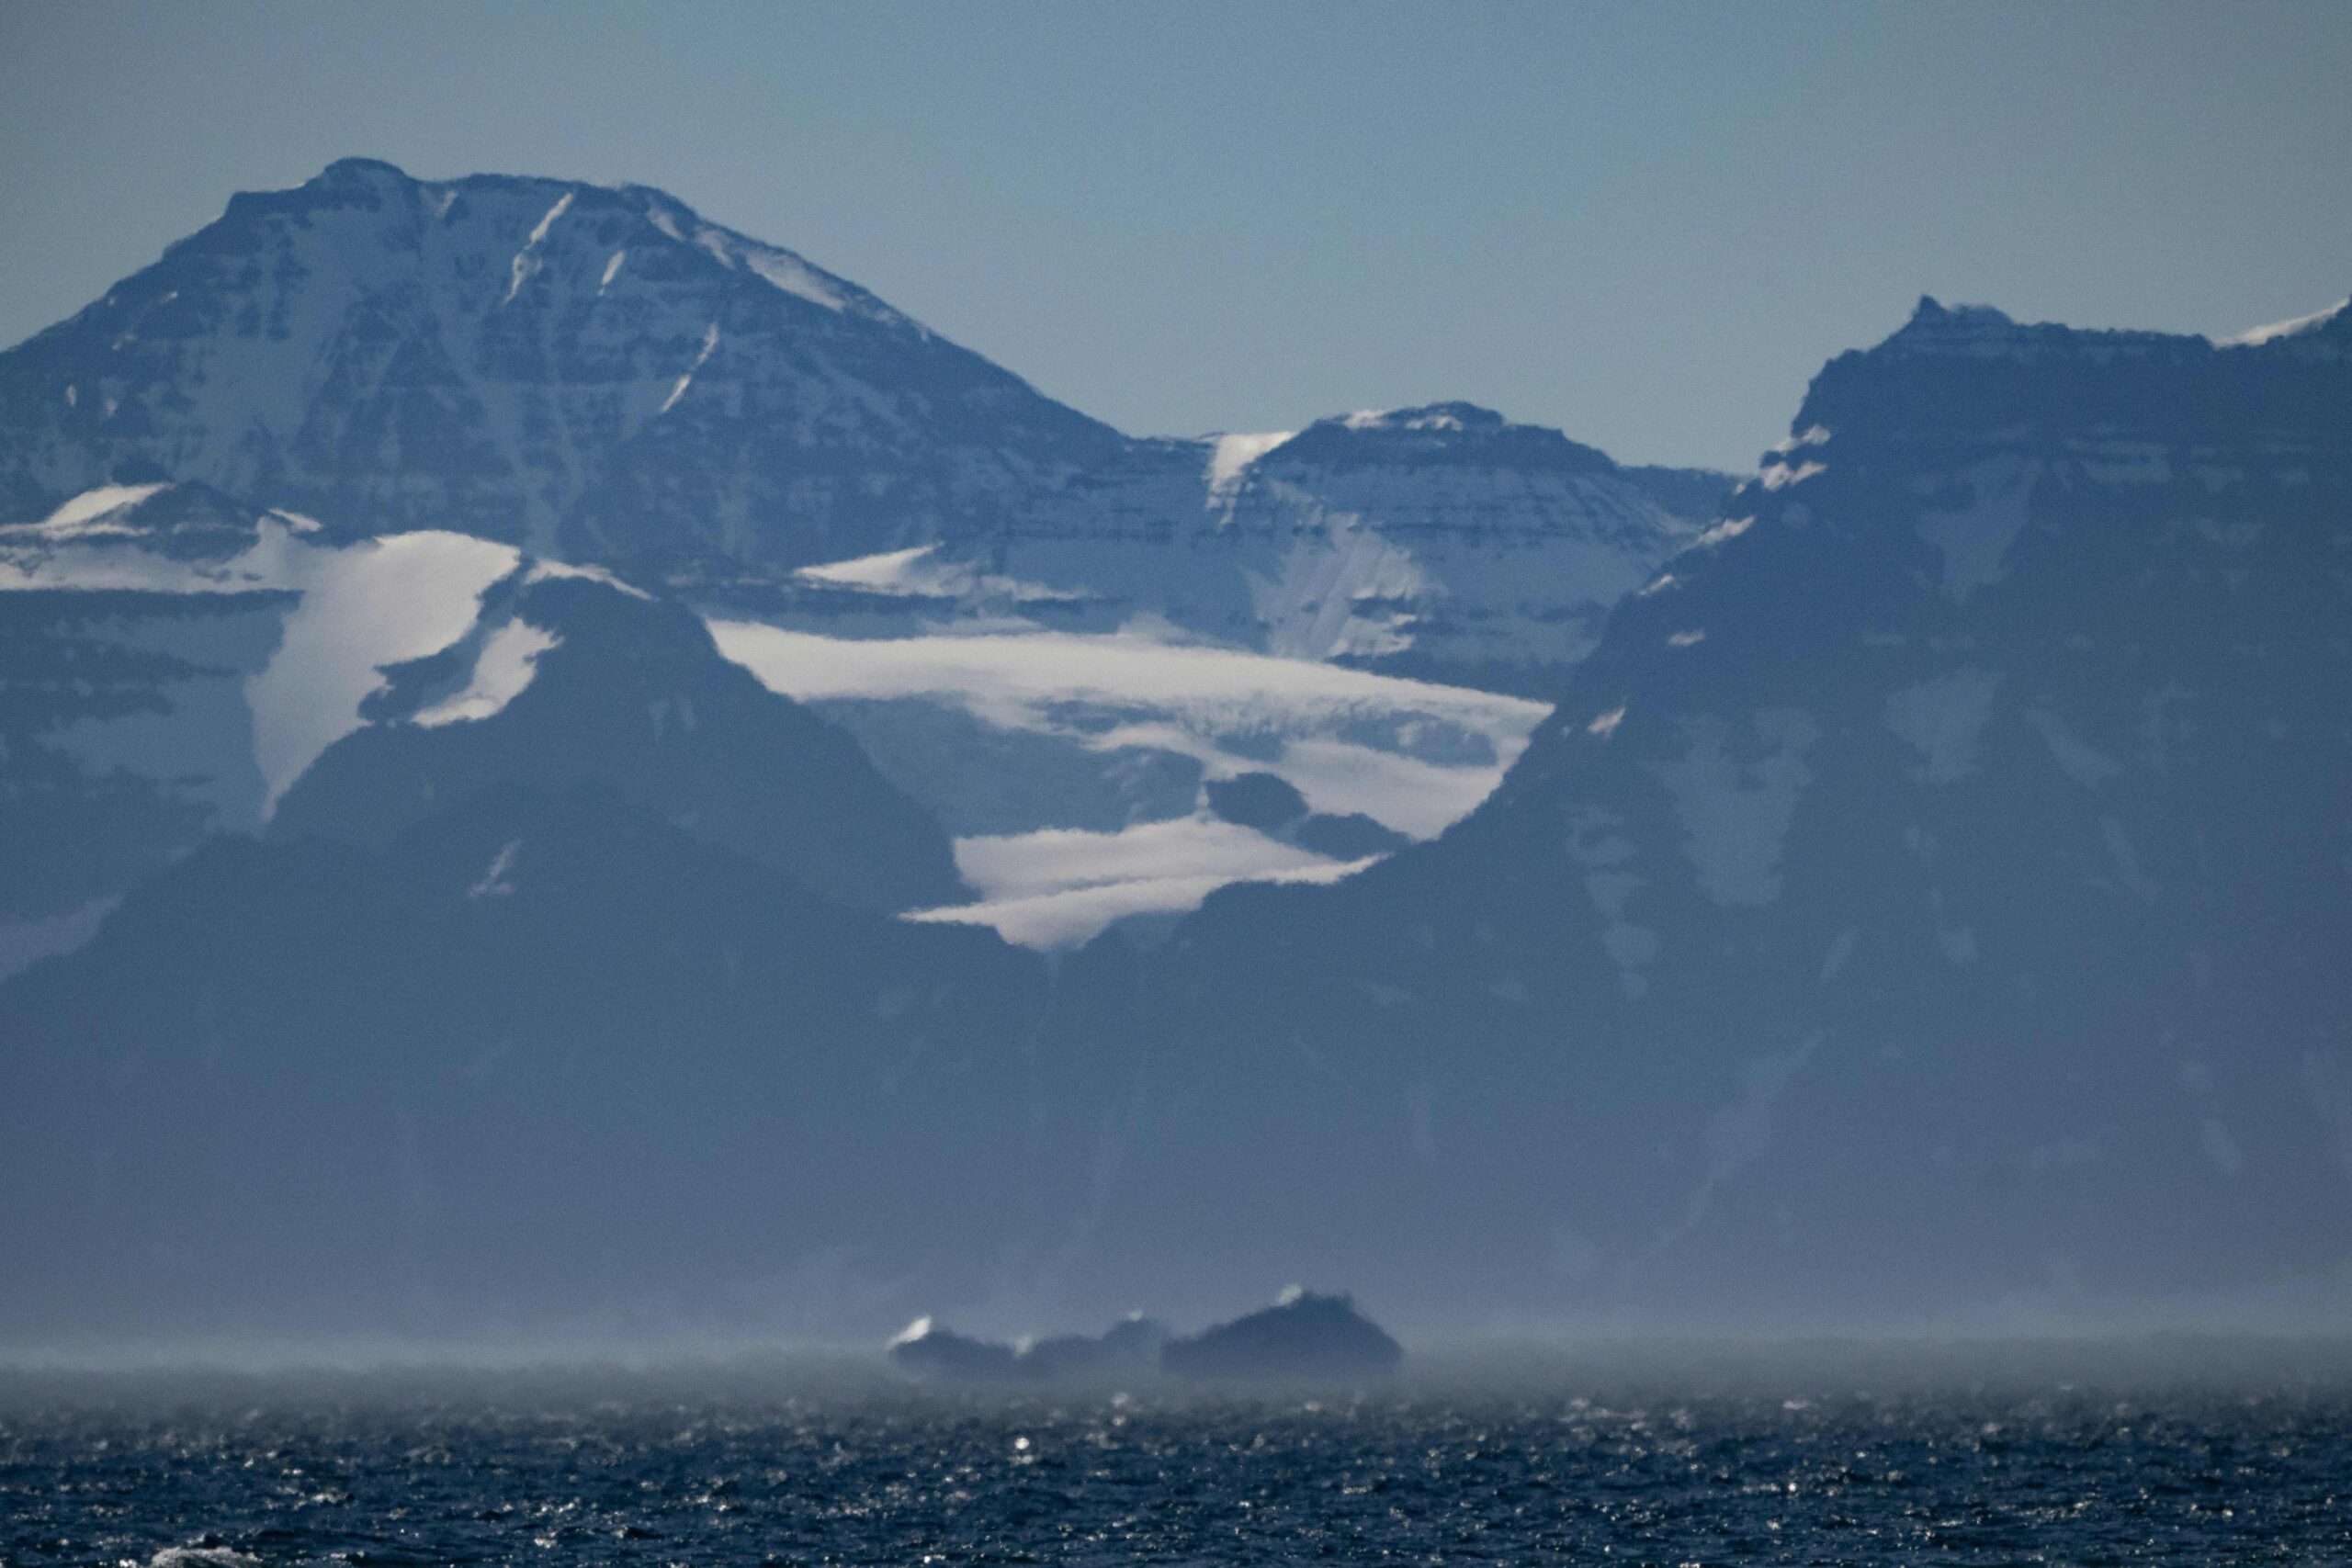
{"x": 2277, "y": 329}
{"x": 1342, "y": 736}
{"x": 508, "y": 657}
{"x": 1060, "y": 887}
{"x": 381, "y": 602}
{"x": 1230, "y": 456}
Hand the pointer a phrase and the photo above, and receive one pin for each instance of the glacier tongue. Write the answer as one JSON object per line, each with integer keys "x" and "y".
{"x": 1072, "y": 765}
{"x": 376, "y": 603}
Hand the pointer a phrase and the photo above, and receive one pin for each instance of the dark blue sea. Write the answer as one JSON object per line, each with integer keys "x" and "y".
{"x": 228, "y": 1474}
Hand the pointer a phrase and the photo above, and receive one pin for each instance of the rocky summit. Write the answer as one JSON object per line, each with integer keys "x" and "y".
{"x": 586, "y": 371}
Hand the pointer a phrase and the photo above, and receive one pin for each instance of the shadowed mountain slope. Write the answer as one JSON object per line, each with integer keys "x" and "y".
{"x": 1920, "y": 900}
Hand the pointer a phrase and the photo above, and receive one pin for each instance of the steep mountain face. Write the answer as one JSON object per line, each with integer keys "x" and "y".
{"x": 591, "y": 372}
{"x": 542, "y": 1056}
{"x": 1921, "y": 900}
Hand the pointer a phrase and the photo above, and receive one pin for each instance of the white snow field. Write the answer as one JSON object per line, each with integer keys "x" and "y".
{"x": 354, "y": 609}
{"x": 1413, "y": 755}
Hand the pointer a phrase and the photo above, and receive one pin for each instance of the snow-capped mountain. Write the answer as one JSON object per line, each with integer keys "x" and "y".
{"x": 189, "y": 666}
{"x": 598, "y": 374}
{"x": 1923, "y": 902}
{"x": 590, "y": 372}
{"x": 179, "y": 664}
{"x": 1923, "y": 899}
{"x": 1444, "y": 543}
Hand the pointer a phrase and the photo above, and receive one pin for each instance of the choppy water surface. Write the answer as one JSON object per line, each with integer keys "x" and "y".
{"x": 2064, "y": 1477}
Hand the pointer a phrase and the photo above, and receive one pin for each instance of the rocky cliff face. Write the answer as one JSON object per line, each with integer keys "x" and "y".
{"x": 1915, "y": 901}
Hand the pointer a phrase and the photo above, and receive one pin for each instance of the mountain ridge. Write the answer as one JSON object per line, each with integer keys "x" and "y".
{"x": 1917, "y": 905}
{"x": 454, "y": 342}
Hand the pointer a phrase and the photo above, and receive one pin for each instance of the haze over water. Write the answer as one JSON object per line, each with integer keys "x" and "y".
{"x": 2127, "y": 1451}
{"x": 2167, "y": 1451}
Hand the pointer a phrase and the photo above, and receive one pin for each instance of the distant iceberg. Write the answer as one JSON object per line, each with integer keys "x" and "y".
{"x": 930, "y": 1352}
{"x": 1303, "y": 1338}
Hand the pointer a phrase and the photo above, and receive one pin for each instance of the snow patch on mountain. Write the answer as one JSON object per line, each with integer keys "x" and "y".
{"x": 508, "y": 659}
{"x": 26, "y": 941}
{"x": 1061, "y": 888}
{"x": 1941, "y": 719}
{"x": 1056, "y": 860}
{"x": 226, "y": 650}
{"x": 1230, "y": 456}
{"x": 2296, "y": 327}
{"x": 709, "y": 342}
{"x": 543, "y": 570}
{"x": 2080, "y": 762}
{"x": 94, "y": 504}
{"x": 1736, "y": 809}
{"x": 922, "y": 571}
{"x": 1410, "y": 753}
{"x": 381, "y": 602}
{"x": 1728, "y": 529}
{"x": 525, "y": 262}
{"x": 1975, "y": 538}
{"x": 795, "y": 276}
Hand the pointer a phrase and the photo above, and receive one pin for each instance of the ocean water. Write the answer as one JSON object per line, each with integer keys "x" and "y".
{"x": 2063, "y": 1475}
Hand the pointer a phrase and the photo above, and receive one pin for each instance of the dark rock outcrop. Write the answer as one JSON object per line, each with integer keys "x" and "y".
{"x": 930, "y": 1352}
{"x": 1128, "y": 1349}
{"x": 1303, "y": 1338}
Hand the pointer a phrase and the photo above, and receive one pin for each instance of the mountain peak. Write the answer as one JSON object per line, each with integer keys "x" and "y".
{"x": 1934, "y": 324}
{"x": 1931, "y": 309}
{"x": 1446, "y": 416}
{"x": 595, "y": 369}
{"x": 1458, "y": 432}
{"x": 373, "y": 171}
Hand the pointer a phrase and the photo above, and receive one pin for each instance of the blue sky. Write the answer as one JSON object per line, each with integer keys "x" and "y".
{"x": 1647, "y": 224}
